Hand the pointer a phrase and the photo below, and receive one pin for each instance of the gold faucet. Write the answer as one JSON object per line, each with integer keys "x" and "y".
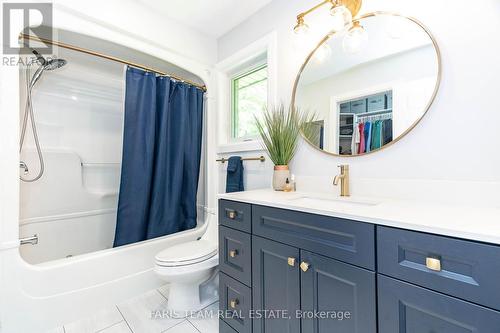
{"x": 344, "y": 180}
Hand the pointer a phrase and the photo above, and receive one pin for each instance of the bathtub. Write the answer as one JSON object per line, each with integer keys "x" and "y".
{"x": 61, "y": 291}
{"x": 74, "y": 270}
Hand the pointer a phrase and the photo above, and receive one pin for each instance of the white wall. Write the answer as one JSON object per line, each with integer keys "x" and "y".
{"x": 456, "y": 140}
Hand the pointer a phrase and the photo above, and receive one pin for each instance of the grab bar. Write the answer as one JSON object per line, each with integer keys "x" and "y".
{"x": 33, "y": 240}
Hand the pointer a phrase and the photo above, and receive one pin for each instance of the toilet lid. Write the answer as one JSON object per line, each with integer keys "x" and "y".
{"x": 190, "y": 252}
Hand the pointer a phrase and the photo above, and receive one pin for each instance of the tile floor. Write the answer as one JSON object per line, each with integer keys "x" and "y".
{"x": 136, "y": 316}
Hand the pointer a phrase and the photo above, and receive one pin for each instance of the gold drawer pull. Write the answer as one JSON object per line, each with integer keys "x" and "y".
{"x": 434, "y": 264}
{"x": 291, "y": 262}
{"x": 233, "y": 303}
{"x": 233, "y": 253}
{"x": 231, "y": 214}
{"x": 304, "y": 266}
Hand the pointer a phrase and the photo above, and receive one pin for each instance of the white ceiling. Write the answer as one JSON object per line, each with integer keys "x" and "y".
{"x": 213, "y": 18}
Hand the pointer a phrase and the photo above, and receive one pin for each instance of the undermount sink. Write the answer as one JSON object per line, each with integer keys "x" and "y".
{"x": 312, "y": 200}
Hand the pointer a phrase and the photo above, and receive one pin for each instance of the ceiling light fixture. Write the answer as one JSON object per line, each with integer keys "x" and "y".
{"x": 342, "y": 12}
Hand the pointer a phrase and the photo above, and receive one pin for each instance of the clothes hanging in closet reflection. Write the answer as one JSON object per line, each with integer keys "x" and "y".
{"x": 376, "y": 135}
{"x": 362, "y": 141}
{"x": 368, "y": 136}
{"x": 386, "y": 131}
{"x": 373, "y": 135}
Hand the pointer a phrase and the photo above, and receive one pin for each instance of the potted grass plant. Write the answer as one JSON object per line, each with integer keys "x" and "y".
{"x": 279, "y": 129}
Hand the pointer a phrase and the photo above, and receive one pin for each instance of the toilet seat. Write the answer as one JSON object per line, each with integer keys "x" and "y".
{"x": 186, "y": 254}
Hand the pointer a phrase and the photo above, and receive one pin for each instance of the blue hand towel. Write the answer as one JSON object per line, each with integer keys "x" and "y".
{"x": 234, "y": 179}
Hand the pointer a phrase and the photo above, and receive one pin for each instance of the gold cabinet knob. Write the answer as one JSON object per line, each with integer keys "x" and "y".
{"x": 234, "y": 303}
{"x": 233, "y": 253}
{"x": 304, "y": 266}
{"x": 231, "y": 214}
{"x": 434, "y": 264}
{"x": 291, "y": 262}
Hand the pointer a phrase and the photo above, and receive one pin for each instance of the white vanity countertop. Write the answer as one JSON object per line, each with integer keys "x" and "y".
{"x": 468, "y": 222}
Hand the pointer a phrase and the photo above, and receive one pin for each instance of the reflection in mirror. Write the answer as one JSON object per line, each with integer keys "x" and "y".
{"x": 370, "y": 85}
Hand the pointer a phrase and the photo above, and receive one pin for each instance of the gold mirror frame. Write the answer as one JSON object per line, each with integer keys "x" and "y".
{"x": 431, "y": 100}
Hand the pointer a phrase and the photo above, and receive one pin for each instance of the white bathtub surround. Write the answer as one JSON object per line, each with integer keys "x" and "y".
{"x": 472, "y": 222}
{"x": 143, "y": 314}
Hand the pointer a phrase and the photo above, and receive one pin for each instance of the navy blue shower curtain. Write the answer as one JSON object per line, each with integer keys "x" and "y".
{"x": 161, "y": 157}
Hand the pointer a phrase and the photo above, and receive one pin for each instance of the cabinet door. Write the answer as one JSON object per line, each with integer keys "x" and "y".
{"x": 276, "y": 286}
{"x": 339, "y": 296}
{"x": 404, "y": 307}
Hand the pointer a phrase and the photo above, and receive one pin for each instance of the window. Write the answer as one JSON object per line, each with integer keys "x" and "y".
{"x": 248, "y": 98}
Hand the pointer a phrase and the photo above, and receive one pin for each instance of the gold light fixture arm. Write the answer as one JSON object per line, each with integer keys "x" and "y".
{"x": 303, "y": 14}
{"x": 353, "y": 5}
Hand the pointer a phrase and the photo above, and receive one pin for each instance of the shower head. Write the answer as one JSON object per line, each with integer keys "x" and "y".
{"x": 52, "y": 64}
{"x": 45, "y": 64}
{"x": 49, "y": 64}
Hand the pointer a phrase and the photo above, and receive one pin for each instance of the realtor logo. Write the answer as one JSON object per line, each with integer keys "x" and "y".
{"x": 28, "y": 18}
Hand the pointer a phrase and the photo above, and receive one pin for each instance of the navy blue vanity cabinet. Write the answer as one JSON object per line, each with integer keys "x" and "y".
{"x": 403, "y": 307}
{"x": 295, "y": 272}
{"x": 343, "y": 292}
{"x": 276, "y": 285}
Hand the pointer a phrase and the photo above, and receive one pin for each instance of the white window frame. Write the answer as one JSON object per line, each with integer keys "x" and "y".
{"x": 260, "y": 52}
{"x": 249, "y": 70}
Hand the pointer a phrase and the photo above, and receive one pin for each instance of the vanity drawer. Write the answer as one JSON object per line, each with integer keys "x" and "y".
{"x": 358, "y": 106}
{"x": 460, "y": 268}
{"x": 403, "y": 307}
{"x": 345, "y": 240}
{"x": 235, "y": 257}
{"x": 235, "y": 301}
{"x": 376, "y": 102}
{"x": 235, "y": 215}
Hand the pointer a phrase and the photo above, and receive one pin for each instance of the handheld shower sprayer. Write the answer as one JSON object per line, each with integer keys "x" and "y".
{"x": 43, "y": 65}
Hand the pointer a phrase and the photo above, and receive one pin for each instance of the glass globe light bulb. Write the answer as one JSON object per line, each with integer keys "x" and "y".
{"x": 323, "y": 52}
{"x": 355, "y": 39}
{"x": 341, "y": 17}
{"x": 301, "y": 27}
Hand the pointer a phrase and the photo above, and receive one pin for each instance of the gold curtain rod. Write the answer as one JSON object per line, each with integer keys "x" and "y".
{"x": 108, "y": 57}
{"x": 260, "y": 158}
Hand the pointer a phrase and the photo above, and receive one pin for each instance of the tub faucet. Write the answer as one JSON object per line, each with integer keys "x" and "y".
{"x": 23, "y": 166}
{"x": 343, "y": 177}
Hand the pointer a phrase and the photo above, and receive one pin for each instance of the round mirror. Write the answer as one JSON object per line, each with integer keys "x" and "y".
{"x": 369, "y": 85}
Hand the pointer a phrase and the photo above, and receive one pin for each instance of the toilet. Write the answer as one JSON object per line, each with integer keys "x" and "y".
{"x": 191, "y": 270}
